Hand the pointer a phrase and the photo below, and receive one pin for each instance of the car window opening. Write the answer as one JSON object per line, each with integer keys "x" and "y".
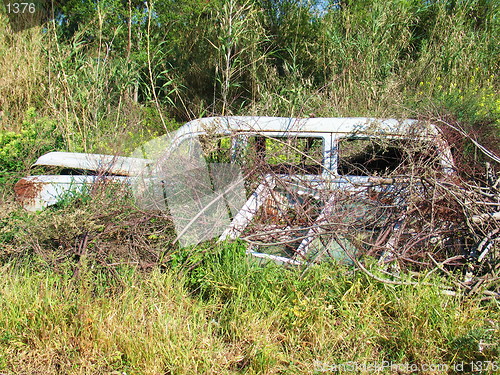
{"x": 377, "y": 157}
{"x": 297, "y": 155}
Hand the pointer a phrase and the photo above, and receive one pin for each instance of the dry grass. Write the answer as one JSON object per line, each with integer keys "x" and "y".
{"x": 258, "y": 320}
{"x": 23, "y": 74}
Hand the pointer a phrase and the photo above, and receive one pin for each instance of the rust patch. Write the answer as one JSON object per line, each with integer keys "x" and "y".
{"x": 27, "y": 190}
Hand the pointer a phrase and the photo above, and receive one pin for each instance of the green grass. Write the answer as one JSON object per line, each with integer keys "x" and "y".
{"x": 226, "y": 314}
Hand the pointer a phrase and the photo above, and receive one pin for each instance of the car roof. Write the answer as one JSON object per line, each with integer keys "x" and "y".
{"x": 287, "y": 125}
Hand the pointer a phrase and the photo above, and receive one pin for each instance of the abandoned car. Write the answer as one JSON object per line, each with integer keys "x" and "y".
{"x": 297, "y": 189}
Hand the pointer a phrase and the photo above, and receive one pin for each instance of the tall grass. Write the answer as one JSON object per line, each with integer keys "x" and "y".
{"x": 23, "y": 74}
{"x": 228, "y": 315}
{"x": 100, "y": 78}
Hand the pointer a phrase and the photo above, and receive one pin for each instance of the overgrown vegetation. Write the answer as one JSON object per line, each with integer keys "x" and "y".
{"x": 227, "y": 315}
{"x": 99, "y": 69}
{"x": 95, "y": 285}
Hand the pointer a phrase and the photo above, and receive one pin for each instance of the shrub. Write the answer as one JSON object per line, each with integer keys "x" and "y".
{"x": 19, "y": 150}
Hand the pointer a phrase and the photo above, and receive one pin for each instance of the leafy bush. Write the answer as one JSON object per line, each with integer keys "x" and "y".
{"x": 19, "y": 150}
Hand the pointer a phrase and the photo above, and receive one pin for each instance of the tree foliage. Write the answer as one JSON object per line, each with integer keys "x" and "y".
{"x": 269, "y": 57}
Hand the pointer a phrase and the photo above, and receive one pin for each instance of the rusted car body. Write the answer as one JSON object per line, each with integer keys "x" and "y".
{"x": 77, "y": 171}
{"x": 302, "y": 160}
{"x": 323, "y": 174}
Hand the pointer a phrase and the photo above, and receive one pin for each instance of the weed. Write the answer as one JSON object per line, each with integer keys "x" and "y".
{"x": 254, "y": 320}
